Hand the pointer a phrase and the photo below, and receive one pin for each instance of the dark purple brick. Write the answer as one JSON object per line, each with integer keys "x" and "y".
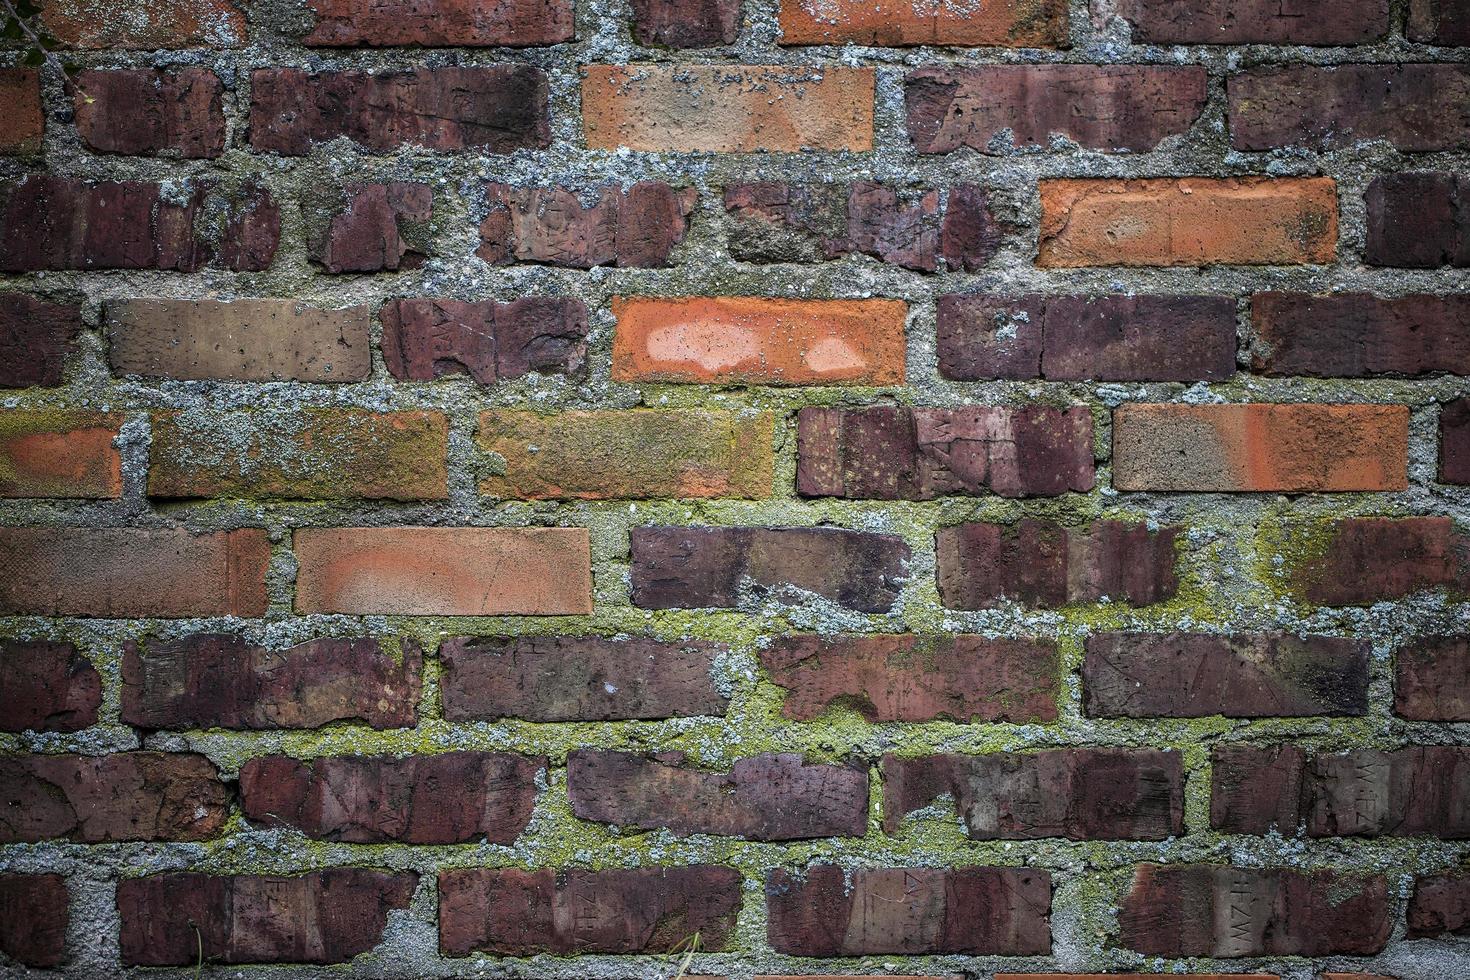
{"x": 426, "y": 338}
{"x": 1441, "y": 905}
{"x": 146, "y": 111}
{"x": 1376, "y": 559}
{"x": 686, "y": 23}
{"x": 1444, "y": 22}
{"x": 637, "y": 227}
{"x": 47, "y": 687}
{"x": 1418, "y": 220}
{"x": 1432, "y": 679}
{"x": 1454, "y": 441}
{"x": 1359, "y": 335}
{"x": 1254, "y": 21}
{"x": 34, "y": 910}
{"x": 35, "y": 338}
{"x": 372, "y": 228}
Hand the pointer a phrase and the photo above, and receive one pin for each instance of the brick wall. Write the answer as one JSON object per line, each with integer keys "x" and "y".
{"x": 910, "y": 487}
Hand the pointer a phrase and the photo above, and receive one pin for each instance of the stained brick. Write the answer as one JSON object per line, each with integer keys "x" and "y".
{"x": 155, "y": 24}
{"x": 144, "y": 111}
{"x": 1432, "y": 679}
{"x": 35, "y": 338}
{"x": 34, "y": 912}
{"x": 1373, "y": 559}
{"x": 1418, "y": 220}
{"x": 439, "y": 23}
{"x": 899, "y": 23}
{"x": 1439, "y": 22}
{"x": 47, "y": 687}
{"x": 59, "y": 454}
{"x": 1253, "y": 22}
{"x": 686, "y": 23}
{"x": 1359, "y": 335}
{"x": 426, "y": 338}
{"x": 633, "y": 227}
{"x": 372, "y": 228}
{"x": 1440, "y": 905}
{"x": 20, "y": 90}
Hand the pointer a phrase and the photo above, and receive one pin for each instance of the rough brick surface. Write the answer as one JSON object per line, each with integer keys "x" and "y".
{"x": 686, "y": 23}
{"x": 1368, "y": 560}
{"x": 1253, "y": 22}
{"x": 1454, "y": 441}
{"x": 1440, "y": 905}
{"x": 34, "y": 910}
{"x": 1418, "y": 220}
{"x": 1439, "y": 22}
{"x": 426, "y": 338}
{"x": 896, "y": 23}
{"x": 439, "y": 23}
{"x": 47, "y": 687}
{"x": 59, "y": 454}
{"x": 1432, "y": 679}
{"x": 156, "y": 24}
{"x": 633, "y": 227}
{"x": 374, "y": 228}
{"x": 35, "y": 338}
{"x": 143, "y": 112}
{"x": 1360, "y": 335}
{"x": 20, "y": 88}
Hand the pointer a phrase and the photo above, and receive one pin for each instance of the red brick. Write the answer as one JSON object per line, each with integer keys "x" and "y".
{"x": 634, "y": 227}
{"x": 767, "y": 797}
{"x": 1439, "y": 22}
{"x": 900, "y": 23}
{"x": 1195, "y": 675}
{"x": 155, "y": 24}
{"x": 1253, "y": 22}
{"x": 141, "y": 112}
{"x": 1441, "y": 905}
{"x": 1414, "y": 107}
{"x": 1000, "y": 108}
{"x": 890, "y": 453}
{"x": 213, "y": 680}
{"x": 753, "y": 340}
{"x": 685, "y": 23}
{"x": 643, "y": 910}
{"x": 449, "y": 798}
{"x": 1224, "y": 912}
{"x": 1256, "y": 448}
{"x": 20, "y": 92}
{"x": 1081, "y": 794}
{"x": 1418, "y": 220}
{"x": 957, "y": 677}
{"x": 426, "y": 338}
{"x": 50, "y": 453}
{"x": 495, "y": 109}
{"x": 326, "y": 916}
{"x": 576, "y": 679}
{"x": 444, "y": 571}
{"x": 1359, "y": 335}
{"x": 371, "y": 228}
{"x": 132, "y": 572}
{"x": 1376, "y": 559}
{"x": 710, "y": 567}
{"x": 1042, "y": 563}
{"x": 727, "y": 108}
{"x": 34, "y": 913}
{"x": 36, "y": 337}
{"x": 47, "y": 687}
{"x": 1151, "y": 976}
{"x": 439, "y": 23}
{"x": 130, "y": 796}
{"x": 1432, "y": 679}
{"x": 1086, "y": 338}
{"x": 909, "y": 911}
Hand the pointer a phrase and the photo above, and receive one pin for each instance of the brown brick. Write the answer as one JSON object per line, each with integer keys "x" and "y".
{"x": 36, "y": 337}
{"x": 311, "y": 454}
{"x": 1042, "y": 563}
{"x": 131, "y": 572}
{"x": 709, "y": 567}
{"x": 47, "y": 687}
{"x": 511, "y": 912}
{"x": 243, "y": 340}
{"x": 146, "y": 26}
{"x": 371, "y": 227}
{"x": 213, "y": 680}
{"x": 1154, "y": 976}
{"x": 1454, "y": 441}
{"x": 34, "y": 913}
{"x": 1256, "y": 448}
{"x": 444, "y": 571}
{"x": 50, "y": 453}
{"x": 890, "y": 453}
{"x": 1432, "y": 679}
{"x": 957, "y": 677}
{"x": 129, "y": 796}
{"x": 1418, "y": 220}
{"x": 1081, "y": 794}
{"x": 727, "y": 108}
{"x": 685, "y": 23}
{"x": 1359, "y": 335}
{"x": 1170, "y": 221}
{"x": 1376, "y": 559}
{"x": 976, "y": 911}
{"x": 142, "y": 112}
{"x": 1254, "y": 22}
{"x": 1439, "y": 22}
{"x": 636, "y": 227}
{"x": 900, "y": 23}
{"x": 1208, "y": 910}
{"x": 1441, "y": 905}
{"x": 1195, "y": 675}
{"x": 494, "y": 109}
{"x": 20, "y": 91}
{"x": 1000, "y": 108}
{"x": 326, "y": 916}
{"x": 439, "y": 23}
{"x": 426, "y": 338}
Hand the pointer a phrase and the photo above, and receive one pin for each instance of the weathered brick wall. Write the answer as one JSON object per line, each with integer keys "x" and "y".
{"x": 884, "y": 486}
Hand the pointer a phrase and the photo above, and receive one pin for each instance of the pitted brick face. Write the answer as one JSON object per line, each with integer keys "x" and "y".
{"x": 686, "y": 23}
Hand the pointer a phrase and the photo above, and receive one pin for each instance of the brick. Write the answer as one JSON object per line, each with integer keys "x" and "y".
{"x": 1440, "y": 905}
{"x": 1439, "y": 22}
{"x": 754, "y": 340}
{"x": 156, "y": 24}
{"x": 495, "y": 109}
{"x": 439, "y": 23}
{"x": 1418, "y": 220}
{"x": 444, "y": 571}
{"x": 727, "y": 108}
{"x": 1146, "y": 976}
{"x": 901, "y": 23}
{"x": 129, "y": 796}
{"x": 449, "y": 798}
{"x": 997, "y": 109}
{"x": 1045, "y": 564}
{"x": 636, "y": 227}
{"x": 1359, "y": 335}
{"x": 145, "y": 112}
{"x": 1454, "y": 441}
{"x": 20, "y": 91}
{"x": 1432, "y": 679}
{"x": 424, "y": 339}
{"x": 957, "y": 677}
{"x": 36, "y": 336}
{"x": 1409, "y": 792}
{"x": 1224, "y": 912}
{"x": 326, "y": 916}
{"x": 511, "y": 912}
{"x": 1086, "y": 338}
{"x": 892, "y": 453}
{"x": 371, "y": 227}
{"x": 1172, "y": 221}
{"x": 628, "y": 454}
{"x": 1196, "y": 675}
{"x": 131, "y": 572}
{"x": 50, "y": 453}
{"x": 977, "y": 911}
{"x": 710, "y": 567}
{"x": 34, "y": 914}
{"x": 241, "y": 340}
{"x": 685, "y": 23}
{"x": 1368, "y": 560}
{"x": 1253, "y": 22}
{"x": 566, "y": 678}
{"x": 768, "y": 797}
{"x": 47, "y": 687}
{"x": 1256, "y": 448}
{"x": 1080, "y": 794}
{"x": 1414, "y": 107}
{"x": 214, "y": 680}
{"x": 310, "y": 454}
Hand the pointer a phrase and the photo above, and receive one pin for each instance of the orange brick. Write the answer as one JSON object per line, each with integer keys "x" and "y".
{"x": 1006, "y": 23}
{"x": 759, "y": 341}
{"x": 20, "y": 93}
{"x": 1188, "y": 221}
{"x": 444, "y": 571}
{"x": 1287, "y": 448}
{"x": 727, "y": 108}
{"x": 59, "y": 454}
